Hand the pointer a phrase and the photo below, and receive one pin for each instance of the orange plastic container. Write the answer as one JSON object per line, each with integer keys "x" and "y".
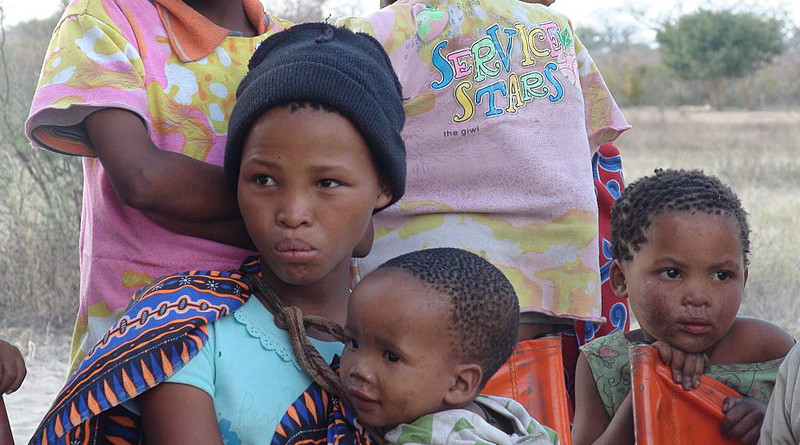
{"x": 534, "y": 377}
{"x": 665, "y": 414}
{"x": 6, "y": 438}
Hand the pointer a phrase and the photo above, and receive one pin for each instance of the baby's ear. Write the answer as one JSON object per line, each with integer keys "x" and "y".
{"x": 617, "y": 278}
{"x": 467, "y": 383}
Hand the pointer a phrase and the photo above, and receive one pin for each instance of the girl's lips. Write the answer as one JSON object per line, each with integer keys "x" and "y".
{"x": 293, "y": 249}
{"x": 288, "y": 244}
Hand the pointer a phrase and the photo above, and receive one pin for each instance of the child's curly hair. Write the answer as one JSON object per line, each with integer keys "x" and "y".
{"x": 485, "y": 310}
{"x": 671, "y": 190}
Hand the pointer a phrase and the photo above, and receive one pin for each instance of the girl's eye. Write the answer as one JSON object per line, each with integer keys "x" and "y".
{"x": 720, "y": 276}
{"x": 264, "y": 180}
{"x": 328, "y": 183}
{"x": 391, "y": 356}
{"x": 670, "y": 273}
{"x": 352, "y": 343}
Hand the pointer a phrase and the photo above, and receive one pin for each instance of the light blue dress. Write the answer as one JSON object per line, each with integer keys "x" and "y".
{"x": 250, "y": 371}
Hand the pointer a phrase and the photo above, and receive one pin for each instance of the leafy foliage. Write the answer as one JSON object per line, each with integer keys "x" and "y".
{"x": 709, "y": 44}
{"x": 719, "y": 45}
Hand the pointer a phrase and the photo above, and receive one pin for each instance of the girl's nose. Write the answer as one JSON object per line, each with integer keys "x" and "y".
{"x": 295, "y": 211}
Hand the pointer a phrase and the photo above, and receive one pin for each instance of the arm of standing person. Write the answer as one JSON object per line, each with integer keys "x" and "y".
{"x": 178, "y": 192}
{"x": 179, "y": 414}
{"x": 592, "y": 425}
{"x": 12, "y": 368}
{"x": 228, "y": 231}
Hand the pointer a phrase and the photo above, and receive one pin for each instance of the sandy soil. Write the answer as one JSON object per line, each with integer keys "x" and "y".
{"x": 46, "y": 361}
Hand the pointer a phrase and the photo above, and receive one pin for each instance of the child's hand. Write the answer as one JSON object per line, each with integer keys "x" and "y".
{"x": 687, "y": 368}
{"x": 743, "y": 418}
{"x": 12, "y": 368}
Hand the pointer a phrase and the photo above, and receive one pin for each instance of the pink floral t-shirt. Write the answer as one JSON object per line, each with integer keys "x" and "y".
{"x": 117, "y": 53}
{"x": 505, "y": 109}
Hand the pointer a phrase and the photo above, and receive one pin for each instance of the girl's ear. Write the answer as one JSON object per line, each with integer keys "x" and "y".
{"x": 746, "y": 273}
{"x": 385, "y": 195}
{"x": 467, "y": 383}
{"x": 617, "y": 277}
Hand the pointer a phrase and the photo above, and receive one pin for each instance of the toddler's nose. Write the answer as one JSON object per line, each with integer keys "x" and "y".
{"x": 696, "y": 295}
{"x": 360, "y": 371}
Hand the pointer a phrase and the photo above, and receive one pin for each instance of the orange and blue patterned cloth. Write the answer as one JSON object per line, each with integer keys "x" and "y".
{"x": 165, "y": 327}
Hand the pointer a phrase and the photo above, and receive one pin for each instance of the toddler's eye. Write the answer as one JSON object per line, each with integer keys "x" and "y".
{"x": 391, "y": 356}
{"x": 264, "y": 180}
{"x": 720, "y": 276}
{"x": 670, "y": 273}
{"x": 352, "y": 343}
{"x": 328, "y": 183}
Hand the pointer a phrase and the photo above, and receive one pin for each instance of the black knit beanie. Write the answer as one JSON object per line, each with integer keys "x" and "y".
{"x": 320, "y": 63}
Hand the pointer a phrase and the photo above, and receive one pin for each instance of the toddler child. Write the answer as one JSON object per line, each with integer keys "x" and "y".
{"x": 424, "y": 333}
{"x": 313, "y": 150}
{"x": 681, "y": 242}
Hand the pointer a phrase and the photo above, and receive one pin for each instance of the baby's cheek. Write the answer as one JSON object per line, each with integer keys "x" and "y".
{"x": 402, "y": 399}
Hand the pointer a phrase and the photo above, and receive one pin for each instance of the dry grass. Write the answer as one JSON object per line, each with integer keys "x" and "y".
{"x": 758, "y": 154}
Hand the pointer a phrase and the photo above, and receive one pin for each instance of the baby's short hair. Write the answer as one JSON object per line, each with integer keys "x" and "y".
{"x": 671, "y": 190}
{"x": 485, "y": 310}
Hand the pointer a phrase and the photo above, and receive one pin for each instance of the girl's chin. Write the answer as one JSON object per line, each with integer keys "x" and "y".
{"x": 298, "y": 279}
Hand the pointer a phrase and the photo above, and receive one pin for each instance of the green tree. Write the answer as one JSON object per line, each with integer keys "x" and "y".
{"x": 715, "y": 46}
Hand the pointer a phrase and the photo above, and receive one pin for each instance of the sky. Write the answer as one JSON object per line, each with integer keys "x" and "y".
{"x": 582, "y": 12}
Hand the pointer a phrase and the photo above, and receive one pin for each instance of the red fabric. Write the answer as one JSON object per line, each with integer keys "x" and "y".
{"x": 609, "y": 184}
{"x": 534, "y": 377}
{"x": 665, "y": 414}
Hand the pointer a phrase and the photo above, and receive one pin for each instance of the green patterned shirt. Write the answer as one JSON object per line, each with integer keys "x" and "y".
{"x": 463, "y": 427}
{"x": 609, "y": 362}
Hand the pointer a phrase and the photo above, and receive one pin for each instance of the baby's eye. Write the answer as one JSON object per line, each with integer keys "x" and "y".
{"x": 670, "y": 273}
{"x": 352, "y": 343}
{"x": 328, "y": 183}
{"x": 720, "y": 275}
{"x": 264, "y": 180}
{"x": 391, "y": 356}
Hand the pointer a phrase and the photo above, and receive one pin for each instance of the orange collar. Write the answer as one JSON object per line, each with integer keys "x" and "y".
{"x": 192, "y": 36}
